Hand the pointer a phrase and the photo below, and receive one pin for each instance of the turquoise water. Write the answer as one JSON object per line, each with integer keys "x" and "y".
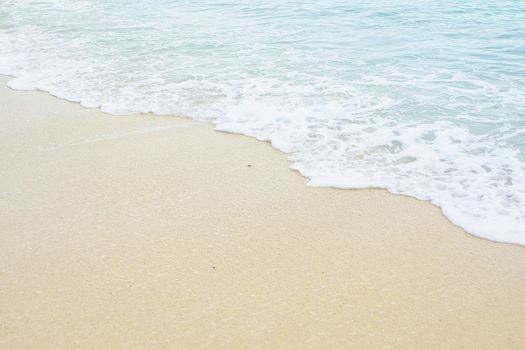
{"x": 424, "y": 98}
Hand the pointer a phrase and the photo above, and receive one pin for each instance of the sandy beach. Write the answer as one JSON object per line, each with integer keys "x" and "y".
{"x": 160, "y": 232}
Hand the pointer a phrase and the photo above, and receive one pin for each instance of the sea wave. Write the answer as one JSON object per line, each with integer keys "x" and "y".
{"x": 420, "y": 100}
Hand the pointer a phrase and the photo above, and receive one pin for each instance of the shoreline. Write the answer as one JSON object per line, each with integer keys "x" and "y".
{"x": 132, "y": 229}
{"x": 4, "y": 79}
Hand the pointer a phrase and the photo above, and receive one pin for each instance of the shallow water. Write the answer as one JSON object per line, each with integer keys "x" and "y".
{"x": 422, "y": 98}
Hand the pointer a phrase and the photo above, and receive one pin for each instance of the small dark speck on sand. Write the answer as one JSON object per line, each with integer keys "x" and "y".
{"x": 249, "y": 165}
{"x": 213, "y": 267}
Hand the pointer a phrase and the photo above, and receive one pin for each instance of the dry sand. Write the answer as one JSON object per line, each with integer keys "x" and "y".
{"x": 159, "y": 232}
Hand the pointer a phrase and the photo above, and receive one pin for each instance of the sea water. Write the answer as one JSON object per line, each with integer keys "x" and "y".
{"x": 423, "y": 98}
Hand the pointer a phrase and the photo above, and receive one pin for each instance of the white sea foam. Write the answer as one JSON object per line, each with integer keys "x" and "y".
{"x": 428, "y": 106}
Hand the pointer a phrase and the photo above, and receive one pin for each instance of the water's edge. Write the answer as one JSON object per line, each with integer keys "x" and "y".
{"x": 8, "y": 78}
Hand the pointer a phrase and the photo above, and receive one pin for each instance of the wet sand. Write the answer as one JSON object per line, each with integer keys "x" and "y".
{"x": 159, "y": 232}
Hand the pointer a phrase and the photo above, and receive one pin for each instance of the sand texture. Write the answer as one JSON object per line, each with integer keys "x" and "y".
{"x": 161, "y": 233}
